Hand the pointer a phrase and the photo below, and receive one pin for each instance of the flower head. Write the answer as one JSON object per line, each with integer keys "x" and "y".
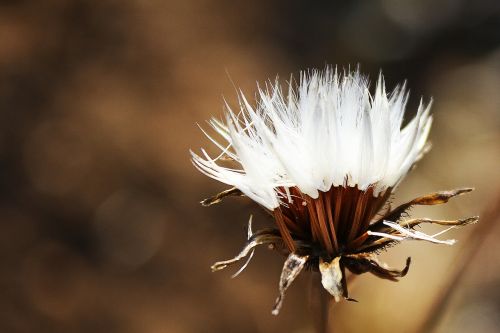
{"x": 323, "y": 158}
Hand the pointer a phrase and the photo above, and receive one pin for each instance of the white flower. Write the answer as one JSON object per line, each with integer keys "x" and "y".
{"x": 323, "y": 159}
{"x": 328, "y": 131}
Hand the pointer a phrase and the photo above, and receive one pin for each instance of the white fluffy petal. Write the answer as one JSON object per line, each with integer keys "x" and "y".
{"x": 325, "y": 132}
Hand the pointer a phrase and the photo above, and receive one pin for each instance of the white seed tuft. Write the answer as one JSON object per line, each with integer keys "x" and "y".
{"x": 328, "y": 131}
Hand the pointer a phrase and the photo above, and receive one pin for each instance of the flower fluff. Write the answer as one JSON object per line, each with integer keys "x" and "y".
{"x": 328, "y": 132}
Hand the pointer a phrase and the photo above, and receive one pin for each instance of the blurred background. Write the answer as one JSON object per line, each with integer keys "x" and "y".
{"x": 101, "y": 229}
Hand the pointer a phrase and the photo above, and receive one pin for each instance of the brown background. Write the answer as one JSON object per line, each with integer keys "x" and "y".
{"x": 101, "y": 230}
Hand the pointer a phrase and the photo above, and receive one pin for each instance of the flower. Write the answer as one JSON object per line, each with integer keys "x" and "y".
{"x": 323, "y": 160}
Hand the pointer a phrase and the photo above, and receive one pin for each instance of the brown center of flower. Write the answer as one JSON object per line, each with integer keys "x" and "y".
{"x": 334, "y": 221}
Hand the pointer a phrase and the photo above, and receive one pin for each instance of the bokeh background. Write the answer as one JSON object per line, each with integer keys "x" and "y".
{"x": 100, "y": 224}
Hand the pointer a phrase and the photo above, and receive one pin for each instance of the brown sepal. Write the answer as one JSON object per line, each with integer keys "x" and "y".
{"x": 366, "y": 262}
{"x": 373, "y": 243}
{"x": 294, "y": 264}
{"x": 218, "y": 197}
{"x": 264, "y": 236}
{"x": 429, "y": 199}
{"x": 333, "y": 278}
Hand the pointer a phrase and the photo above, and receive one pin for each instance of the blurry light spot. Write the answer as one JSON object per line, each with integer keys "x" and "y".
{"x": 16, "y": 40}
{"x": 130, "y": 229}
{"x": 421, "y": 15}
{"x": 473, "y": 88}
{"x": 57, "y": 157}
{"x": 55, "y": 280}
{"x": 478, "y": 316}
{"x": 373, "y": 37}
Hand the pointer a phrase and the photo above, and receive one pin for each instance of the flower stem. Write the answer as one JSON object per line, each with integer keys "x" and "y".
{"x": 489, "y": 220}
{"x": 320, "y": 305}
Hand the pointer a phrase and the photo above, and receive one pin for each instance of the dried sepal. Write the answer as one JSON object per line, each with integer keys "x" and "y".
{"x": 391, "y": 232}
{"x": 218, "y": 197}
{"x": 294, "y": 264}
{"x": 429, "y": 199}
{"x": 333, "y": 278}
{"x": 264, "y": 236}
{"x": 250, "y": 256}
{"x": 459, "y": 223}
{"x": 368, "y": 263}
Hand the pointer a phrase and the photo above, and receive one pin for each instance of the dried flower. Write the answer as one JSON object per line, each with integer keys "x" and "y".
{"x": 323, "y": 161}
